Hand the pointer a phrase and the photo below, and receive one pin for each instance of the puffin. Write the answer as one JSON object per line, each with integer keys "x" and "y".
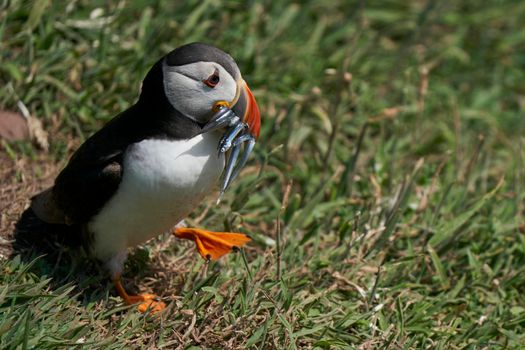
{"x": 151, "y": 165}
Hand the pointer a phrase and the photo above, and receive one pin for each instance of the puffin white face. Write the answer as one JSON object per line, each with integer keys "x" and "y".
{"x": 194, "y": 89}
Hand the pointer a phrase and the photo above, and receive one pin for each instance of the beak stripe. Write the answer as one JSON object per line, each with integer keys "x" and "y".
{"x": 252, "y": 116}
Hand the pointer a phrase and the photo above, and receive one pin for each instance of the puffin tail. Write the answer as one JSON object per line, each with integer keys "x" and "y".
{"x": 46, "y": 209}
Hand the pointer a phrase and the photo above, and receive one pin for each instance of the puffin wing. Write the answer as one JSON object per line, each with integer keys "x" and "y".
{"x": 45, "y": 207}
{"x": 89, "y": 180}
{"x": 79, "y": 192}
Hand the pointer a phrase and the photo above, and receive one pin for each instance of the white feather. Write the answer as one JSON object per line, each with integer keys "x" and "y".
{"x": 163, "y": 181}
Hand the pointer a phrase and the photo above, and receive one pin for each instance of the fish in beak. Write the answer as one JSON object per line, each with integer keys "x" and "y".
{"x": 242, "y": 122}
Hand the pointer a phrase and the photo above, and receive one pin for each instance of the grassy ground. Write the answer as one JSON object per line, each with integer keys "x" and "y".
{"x": 398, "y": 127}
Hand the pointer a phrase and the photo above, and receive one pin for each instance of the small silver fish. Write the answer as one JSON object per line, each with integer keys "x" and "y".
{"x": 236, "y": 135}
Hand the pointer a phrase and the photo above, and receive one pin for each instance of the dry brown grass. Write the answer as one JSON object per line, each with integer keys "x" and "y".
{"x": 20, "y": 179}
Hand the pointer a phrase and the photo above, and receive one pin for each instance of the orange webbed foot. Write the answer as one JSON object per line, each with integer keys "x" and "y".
{"x": 147, "y": 302}
{"x": 212, "y": 245}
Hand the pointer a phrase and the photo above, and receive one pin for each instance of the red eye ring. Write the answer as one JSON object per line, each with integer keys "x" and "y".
{"x": 212, "y": 80}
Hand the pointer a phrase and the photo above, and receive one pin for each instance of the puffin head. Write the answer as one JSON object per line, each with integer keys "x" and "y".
{"x": 197, "y": 79}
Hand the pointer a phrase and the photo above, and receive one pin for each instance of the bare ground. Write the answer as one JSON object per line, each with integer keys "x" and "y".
{"x": 20, "y": 179}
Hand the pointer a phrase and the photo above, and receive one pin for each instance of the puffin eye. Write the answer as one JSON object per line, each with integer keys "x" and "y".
{"x": 212, "y": 80}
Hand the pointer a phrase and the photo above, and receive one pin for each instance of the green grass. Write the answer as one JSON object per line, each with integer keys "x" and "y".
{"x": 401, "y": 125}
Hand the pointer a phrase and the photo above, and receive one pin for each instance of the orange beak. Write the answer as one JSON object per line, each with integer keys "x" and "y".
{"x": 246, "y": 108}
